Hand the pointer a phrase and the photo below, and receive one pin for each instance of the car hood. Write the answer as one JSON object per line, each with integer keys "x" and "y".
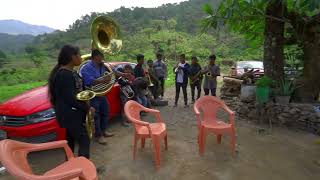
{"x": 27, "y": 103}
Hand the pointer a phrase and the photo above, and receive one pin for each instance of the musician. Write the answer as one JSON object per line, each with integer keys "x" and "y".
{"x": 161, "y": 73}
{"x": 182, "y": 71}
{"x": 140, "y": 87}
{"x": 91, "y": 73}
{"x": 154, "y": 80}
{"x": 195, "y": 78}
{"x": 64, "y": 84}
{"x": 210, "y": 82}
{"x": 129, "y": 70}
{"x": 138, "y": 70}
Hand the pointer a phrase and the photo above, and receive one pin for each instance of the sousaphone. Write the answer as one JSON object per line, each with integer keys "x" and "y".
{"x": 105, "y": 33}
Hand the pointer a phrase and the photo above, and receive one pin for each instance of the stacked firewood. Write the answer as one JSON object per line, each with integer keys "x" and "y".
{"x": 231, "y": 86}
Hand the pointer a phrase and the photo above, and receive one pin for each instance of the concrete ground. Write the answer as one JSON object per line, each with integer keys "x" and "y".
{"x": 262, "y": 155}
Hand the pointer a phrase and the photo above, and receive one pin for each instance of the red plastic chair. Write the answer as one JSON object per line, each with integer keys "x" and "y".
{"x": 13, "y": 156}
{"x": 206, "y": 109}
{"x": 155, "y": 131}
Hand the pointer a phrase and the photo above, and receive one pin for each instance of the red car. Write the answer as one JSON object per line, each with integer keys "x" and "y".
{"x": 29, "y": 117}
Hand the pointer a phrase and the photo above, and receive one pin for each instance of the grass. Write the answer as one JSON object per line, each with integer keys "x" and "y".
{"x": 16, "y": 79}
{"x": 7, "y": 92}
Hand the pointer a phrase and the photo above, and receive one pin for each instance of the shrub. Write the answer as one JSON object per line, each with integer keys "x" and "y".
{"x": 265, "y": 81}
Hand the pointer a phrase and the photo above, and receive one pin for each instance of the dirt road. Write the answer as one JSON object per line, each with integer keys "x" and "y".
{"x": 277, "y": 155}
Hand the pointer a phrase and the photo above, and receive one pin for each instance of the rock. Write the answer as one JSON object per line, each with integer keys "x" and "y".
{"x": 286, "y": 109}
{"x": 293, "y": 111}
{"x": 252, "y": 115}
{"x": 286, "y": 115}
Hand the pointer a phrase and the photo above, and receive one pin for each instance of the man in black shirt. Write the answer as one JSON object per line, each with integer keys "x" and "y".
{"x": 138, "y": 70}
{"x": 195, "y": 78}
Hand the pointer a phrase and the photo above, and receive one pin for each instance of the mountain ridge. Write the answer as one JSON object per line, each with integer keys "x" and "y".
{"x": 17, "y": 27}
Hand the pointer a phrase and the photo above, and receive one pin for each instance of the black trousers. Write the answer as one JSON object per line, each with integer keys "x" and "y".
{"x": 82, "y": 139}
{"x": 184, "y": 90}
{"x": 213, "y": 91}
{"x": 154, "y": 89}
{"x": 161, "y": 80}
{"x": 193, "y": 87}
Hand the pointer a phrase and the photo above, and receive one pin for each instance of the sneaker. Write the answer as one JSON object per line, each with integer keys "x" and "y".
{"x": 108, "y": 134}
{"x": 102, "y": 140}
{"x": 124, "y": 124}
{"x": 186, "y": 106}
{"x": 101, "y": 169}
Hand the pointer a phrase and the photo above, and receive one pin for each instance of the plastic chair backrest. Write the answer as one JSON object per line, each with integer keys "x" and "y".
{"x": 132, "y": 110}
{"x": 209, "y": 106}
{"x": 13, "y": 155}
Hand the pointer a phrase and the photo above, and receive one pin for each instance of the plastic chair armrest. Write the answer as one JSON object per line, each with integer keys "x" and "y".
{"x": 70, "y": 174}
{"x": 232, "y": 121}
{"x": 228, "y": 110}
{"x": 156, "y": 113}
{"x": 231, "y": 114}
{"x": 198, "y": 117}
{"x": 52, "y": 145}
{"x": 196, "y": 110}
{"x": 151, "y": 110}
{"x": 141, "y": 123}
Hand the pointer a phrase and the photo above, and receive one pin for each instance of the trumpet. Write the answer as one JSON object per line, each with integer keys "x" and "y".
{"x": 86, "y": 96}
{"x": 150, "y": 84}
{"x": 177, "y": 68}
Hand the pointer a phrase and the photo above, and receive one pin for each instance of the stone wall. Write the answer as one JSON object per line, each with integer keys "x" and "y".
{"x": 293, "y": 115}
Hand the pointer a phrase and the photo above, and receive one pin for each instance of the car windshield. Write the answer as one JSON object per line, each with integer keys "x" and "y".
{"x": 250, "y": 64}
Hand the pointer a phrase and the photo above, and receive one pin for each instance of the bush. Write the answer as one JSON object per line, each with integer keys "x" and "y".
{"x": 265, "y": 81}
{"x": 287, "y": 88}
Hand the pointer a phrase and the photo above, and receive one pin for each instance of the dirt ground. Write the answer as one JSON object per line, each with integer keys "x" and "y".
{"x": 262, "y": 155}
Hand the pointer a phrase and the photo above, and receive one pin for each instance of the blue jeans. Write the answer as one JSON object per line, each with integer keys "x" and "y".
{"x": 101, "y": 116}
{"x": 142, "y": 100}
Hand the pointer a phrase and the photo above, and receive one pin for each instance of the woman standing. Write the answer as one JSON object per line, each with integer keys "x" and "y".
{"x": 64, "y": 84}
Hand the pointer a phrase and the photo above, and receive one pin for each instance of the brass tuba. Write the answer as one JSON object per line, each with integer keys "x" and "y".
{"x": 104, "y": 32}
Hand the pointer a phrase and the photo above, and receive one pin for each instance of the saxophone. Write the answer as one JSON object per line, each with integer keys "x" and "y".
{"x": 195, "y": 78}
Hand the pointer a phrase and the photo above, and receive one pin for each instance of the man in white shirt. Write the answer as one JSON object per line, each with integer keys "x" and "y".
{"x": 182, "y": 71}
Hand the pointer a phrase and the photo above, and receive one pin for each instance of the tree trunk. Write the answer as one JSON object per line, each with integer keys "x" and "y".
{"x": 274, "y": 41}
{"x": 311, "y": 73}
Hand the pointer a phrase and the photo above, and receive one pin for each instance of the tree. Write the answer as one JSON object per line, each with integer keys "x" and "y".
{"x": 301, "y": 19}
{"x": 274, "y": 40}
{"x": 35, "y": 55}
{"x": 3, "y": 58}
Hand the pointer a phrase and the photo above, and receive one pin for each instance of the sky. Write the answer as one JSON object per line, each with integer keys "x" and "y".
{"x": 59, "y": 14}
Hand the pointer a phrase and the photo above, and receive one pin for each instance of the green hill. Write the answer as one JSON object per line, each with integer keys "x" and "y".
{"x": 173, "y": 28}
{"x": 14, "y": 43}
